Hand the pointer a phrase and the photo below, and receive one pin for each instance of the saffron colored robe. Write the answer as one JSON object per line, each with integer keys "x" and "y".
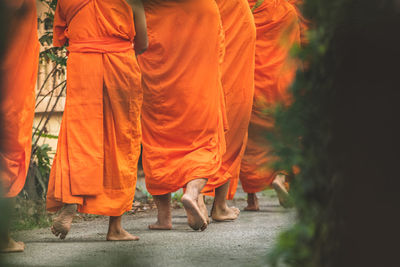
{"x": 99, "y": 142}
{"x": 183, "y": 113}
{"x": 304, "y": 23}
{"x": 17, "y": 106}
{"x": 238, "y": 85}
{"x": 277, "y": 32}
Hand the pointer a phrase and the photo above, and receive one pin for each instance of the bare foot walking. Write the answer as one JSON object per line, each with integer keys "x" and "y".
{"x": 252, "y": 202}
{"x": 190, "y": 201}
{"x": 62, "y": 223}
{"x": 196, "y": 219}
{"x": 117, "y": 233}
{"x": 224, "y": 213}
{"x": 164, "y": 216}
{"x": 220, "y": 211}
{"x": 13, "y": 246}
{"x": 281, "y": 191}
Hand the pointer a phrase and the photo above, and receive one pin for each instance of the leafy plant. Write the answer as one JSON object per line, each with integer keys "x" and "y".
{"x": 340, "y": 132}
{"x": 176, "y": 196}
{"x": 39, "y": 171}
{"x": 258, "y": 3}
{"x": 41, "y": 155}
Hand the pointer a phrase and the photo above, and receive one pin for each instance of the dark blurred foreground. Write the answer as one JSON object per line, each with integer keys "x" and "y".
{"x": 4, "y": 211}
{"x": 346, "y": 115}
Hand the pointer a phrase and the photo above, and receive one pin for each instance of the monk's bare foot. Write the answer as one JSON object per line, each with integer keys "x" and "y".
{"x": 116, "y": 232}
{"x": 13, "y": 246}
{"x": 203, "y": 208}
{"x": 62, "y": 223}
{"x": 160, "y": 226}
{"x": 196, "y": 220}
{"x": 120, "y": 235}
{"x": 164, "y": 215}
{"x": 280, "y": 189}
{"x": 252, "y": 202}
{"x": 224, "y": 213}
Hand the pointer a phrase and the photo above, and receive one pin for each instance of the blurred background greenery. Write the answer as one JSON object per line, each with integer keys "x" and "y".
{"x": 342, "y": 132}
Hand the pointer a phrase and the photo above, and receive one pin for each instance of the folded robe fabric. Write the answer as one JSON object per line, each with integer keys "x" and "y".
{"x": 277, "y": 31}
{"x": 238, "y": 85}
{"x": 17, "y": 105}
{"x": 183, "y": 109}
{"x": 99, "y": 141}
{"x": 303, "y": 22}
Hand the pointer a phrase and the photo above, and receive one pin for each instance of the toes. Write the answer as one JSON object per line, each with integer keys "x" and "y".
{"x": 203, "y": 227}
{"x": 22, "y": 244}
{"x": 55, "y": 232}
{"x": 235, "y": 210}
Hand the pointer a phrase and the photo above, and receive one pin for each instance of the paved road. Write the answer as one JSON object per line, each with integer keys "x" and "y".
{"x": 241, "y": 243}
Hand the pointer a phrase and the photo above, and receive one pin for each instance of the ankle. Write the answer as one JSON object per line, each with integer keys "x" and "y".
{"x": 276, "y": 182}
{"x": 252, "y": 199}
{"x": 115, "y": 224}
{"x": 221, "y": 206}
{"x": 164, "y": 219}
{"x": 115, "y": 229}
{"x": 70, "y": 209}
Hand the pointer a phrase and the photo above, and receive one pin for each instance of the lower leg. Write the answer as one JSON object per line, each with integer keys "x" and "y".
{"x": 62, "y": 223}
{"x": 190, "y": 200}
{"x": 281, "y": 191}
{"x": 164, "y": 217}
{"x": 252, "y": 202}
{"x": 7, "y": 244}
{"x": 220, "y": 210}
{"x": 116, "y": 232}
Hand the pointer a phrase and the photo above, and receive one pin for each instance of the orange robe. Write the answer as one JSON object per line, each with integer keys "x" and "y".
{"x": 238, "y": 85}
{"x": 183, "y": 114}
{"x": 304, "y": 23}
{"x": 99, "y": 142}
{"x": 17, "y": 106}
{"x": 277, "y": 31}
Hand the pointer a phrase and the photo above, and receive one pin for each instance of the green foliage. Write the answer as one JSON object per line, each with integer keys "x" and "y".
{"x": 144, "y": 191}
{"x": 305, "y": 137}
{"x": 29, "y": 214}
{"x": 4, "y": 220}
{"x": 55, "y": 54}
{"x": 258, "y": 3}
{"x": 334, "y": 96}
{"x": 40, "y": 168}
{"x": 52, "y": 4}
{"x": 298, "y": 240}
{"x": 176, "y": 196}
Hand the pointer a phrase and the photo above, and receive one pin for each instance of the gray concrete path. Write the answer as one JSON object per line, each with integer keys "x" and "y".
{"x": 244, "y": 242}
